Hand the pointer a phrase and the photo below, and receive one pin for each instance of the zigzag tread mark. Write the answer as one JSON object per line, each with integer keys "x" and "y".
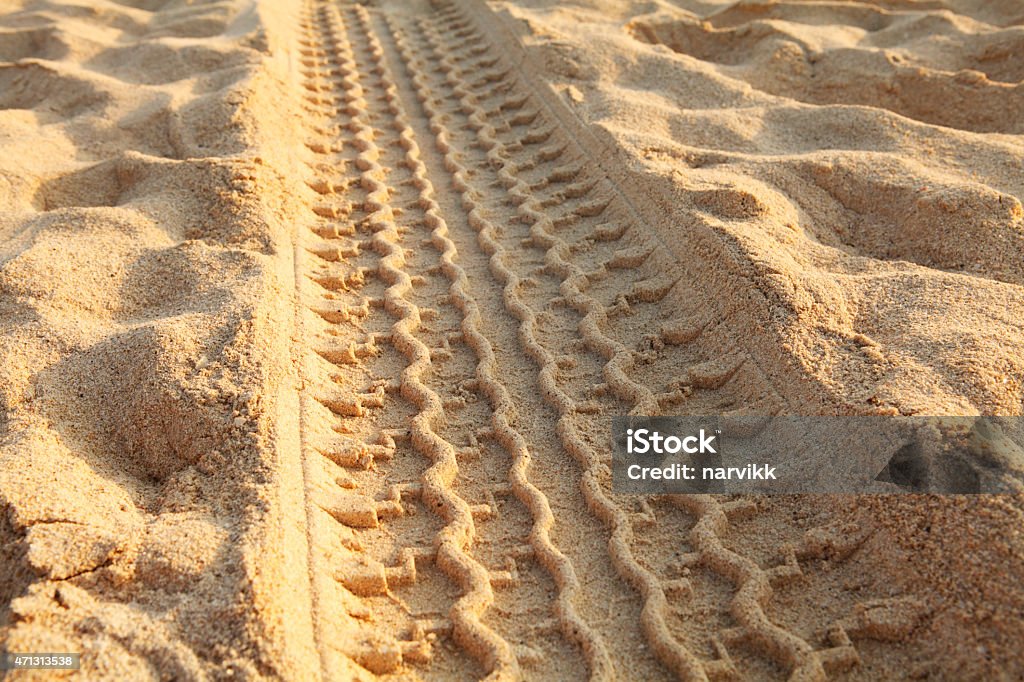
{"x": 753, "y": 583}
{"x": 654, "y": 600}
{"x": 554, "y": 561}
{"x": 359, "y": 400}
{"x": 568, "y": 240}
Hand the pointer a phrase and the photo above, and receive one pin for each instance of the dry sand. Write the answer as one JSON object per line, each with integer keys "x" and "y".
{"x": 312, "y": 317}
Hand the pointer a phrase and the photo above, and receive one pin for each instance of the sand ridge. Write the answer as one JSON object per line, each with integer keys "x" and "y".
{"x": 822, "y": 204}
{"x": 141, "y": 292}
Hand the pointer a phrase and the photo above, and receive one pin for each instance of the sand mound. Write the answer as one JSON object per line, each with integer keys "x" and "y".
{"x": 931, "y": 66}
{"x": 776, "y": 131}
{"x": 138, "y": 295}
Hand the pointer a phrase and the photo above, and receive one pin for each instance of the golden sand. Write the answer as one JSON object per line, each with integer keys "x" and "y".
{"x": 313, "y": 316}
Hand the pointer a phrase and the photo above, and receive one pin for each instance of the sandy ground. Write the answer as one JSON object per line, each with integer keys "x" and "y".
{"x": 313, "y": 316}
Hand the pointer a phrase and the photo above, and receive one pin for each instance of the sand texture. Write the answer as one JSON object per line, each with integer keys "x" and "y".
{"x": 313, "y": 316}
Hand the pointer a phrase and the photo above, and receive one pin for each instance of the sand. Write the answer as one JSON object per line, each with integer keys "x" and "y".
{"x": 313, "y": 317}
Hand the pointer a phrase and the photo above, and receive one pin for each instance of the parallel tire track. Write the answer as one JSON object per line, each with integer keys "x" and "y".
{"x": 673, "y": 654}
{"x": 573, "y": 625}
{"x": 474, "y": 86}
{"x": 355, "y": 60}
{"x": 593, "y": 299}
{"x": 456, "y": 537}
{"x": 498, "y": 395}
{"x": 361, "y": 430}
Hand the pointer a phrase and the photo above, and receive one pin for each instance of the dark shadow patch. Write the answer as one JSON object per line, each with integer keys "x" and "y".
{"x": 157, "y": 63}
{"x": 34, "y": 43}
{"x": 52, "y": 95}
{"x": 15, "y": 573}
{"x": 907, "y": 468}
{"x": 98, "y": 185}
{"x": 125, "y": 407}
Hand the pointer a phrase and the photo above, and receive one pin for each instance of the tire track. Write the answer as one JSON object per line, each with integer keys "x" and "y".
{"x": 453, "y": 542}
{"x": 753, "y": 584}
{"x": 610, "y": 327}
{"x": 488, "y": 370}
{"x": 447, "y": 361}
{"x": 365, "y": 535}
{"x": 594, "y": 470}
{"x": 572, "y": 624}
